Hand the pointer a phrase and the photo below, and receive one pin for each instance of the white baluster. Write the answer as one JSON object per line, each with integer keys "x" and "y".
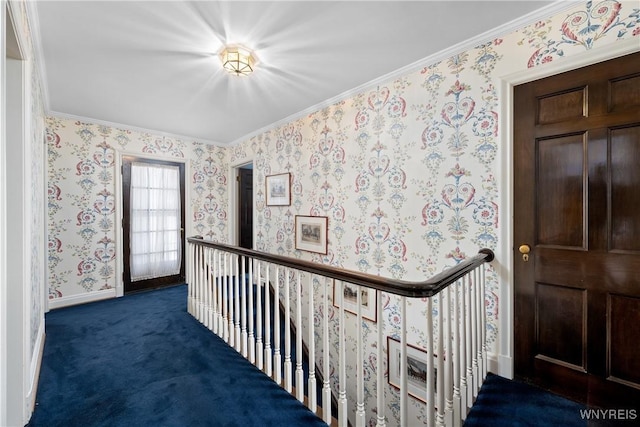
{"x": 188, "y": 260}
{"x": 287, "y": 334}
{"x": 205, "y": 284}
{"x": 243, "y": 305}
{"x": 342, "y": 362}
{"x": 431, "y": 398}
{"x": 268, "y": 355}
{"x": 483, "y": 327}
{"x": 220, "y": 294}
{"x": 277, "y": 358}
{"x": 326, "y": 357}
{"x": 455, "y": 327}
{"x": 259, "y": 329}
{"x": 211, "y": 286}
{"x": 469, "y": 342}
{"x": 380, "y": 356}
{"x": 463, "y": 348}
{"x": 252, "y": 339}
{"x": 360, "y": 414}
{"x": 201, "y": 307}
{"x": 474, "y": 335}
{"x": 299, "y": 371}
{"x": 440, "y": 364}
{"x": 236, "y": 304}
{"x": 479, "y": 316}
{"x": 199, "y": 283}
{"x": 214, "y": 291}
{"x": 448, "y": 388}
{"x": 226, "y": 299}
{"x": 404, "y": 384}
{"x": 311, "y": 391}
{"x": 194, "y": 284}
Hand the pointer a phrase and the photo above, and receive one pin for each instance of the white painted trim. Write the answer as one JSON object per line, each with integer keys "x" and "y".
{"x": 507, "y": 28}
{"x": 18, "y": 259}
{"x": 3, "y": 216}
{"x": 505, "y": 366}
{"x": 505, "y": 86}
{"x": 33, "y": 21}
{"x": 550, "y": 10}
{"x": 36, "y": 364}
{"x": 492, "y": 363}
{"x": 119, "y": 232}
{"x": 593, "y": 56}
{"x": 27, "y": 230}
{"x": 82, "y": 298}
{"x": 505, "y": 268}
{"x": 233, "y": 224}
{"x": 133, "y": 128}
{"x": 119, "y": 208}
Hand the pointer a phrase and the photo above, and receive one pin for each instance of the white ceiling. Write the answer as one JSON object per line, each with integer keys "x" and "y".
{"x": 153, "y": 64}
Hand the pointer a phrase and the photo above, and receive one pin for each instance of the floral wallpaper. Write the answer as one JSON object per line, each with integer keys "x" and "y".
{"x": 82, "y": 198}
{"x": 405, "y": 172}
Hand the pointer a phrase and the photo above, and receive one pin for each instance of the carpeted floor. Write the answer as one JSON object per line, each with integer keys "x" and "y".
{"x": 503, "y": 403}
{"x": 142, "y": 360}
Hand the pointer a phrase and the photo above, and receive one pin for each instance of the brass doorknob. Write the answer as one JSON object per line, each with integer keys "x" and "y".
{"x": 524, "y": 250}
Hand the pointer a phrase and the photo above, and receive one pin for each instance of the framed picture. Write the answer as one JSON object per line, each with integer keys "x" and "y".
{"x": 278, "y": 189}
{"x": 311, "y": 233}
{"x": 416, "y": 369}
{"x": 368, "y": 300}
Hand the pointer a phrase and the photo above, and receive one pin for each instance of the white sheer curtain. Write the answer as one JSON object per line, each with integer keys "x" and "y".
{"x": 155, "y": 221}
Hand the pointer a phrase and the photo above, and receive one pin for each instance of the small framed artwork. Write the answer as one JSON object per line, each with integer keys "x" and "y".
{"x": 311, "y": 233}
{"x": 416, "y": 369}
{"x": 278, "y": 189}
{"x": 368, "y": 299}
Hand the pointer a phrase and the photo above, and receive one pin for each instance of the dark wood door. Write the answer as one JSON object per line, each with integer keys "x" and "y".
{"x": 155, "y": 282}
{"x": 245, "y": 205}
{"x": 577, "y": 205}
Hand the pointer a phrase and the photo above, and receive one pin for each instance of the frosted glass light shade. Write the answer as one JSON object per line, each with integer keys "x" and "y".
{"x": 238, "y": 60}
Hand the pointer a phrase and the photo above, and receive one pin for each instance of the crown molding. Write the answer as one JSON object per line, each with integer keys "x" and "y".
{"x": 547, "y": 11}
{"x": 133, "y": 128}
{"x": 550, "y": 10}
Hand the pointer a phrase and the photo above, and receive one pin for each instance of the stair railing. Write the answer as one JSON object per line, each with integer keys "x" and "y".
{"x": 221, "y": 295}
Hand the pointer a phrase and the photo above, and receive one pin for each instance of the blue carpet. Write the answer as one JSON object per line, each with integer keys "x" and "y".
{"x": 502, "y": 402}
{"x": 142, "y": 360}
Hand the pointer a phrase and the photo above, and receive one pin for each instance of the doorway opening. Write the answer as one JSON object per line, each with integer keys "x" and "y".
{"x": 576, "y": 197}
{"x": 244, "y": 208}
{"x": 153, "y": 220}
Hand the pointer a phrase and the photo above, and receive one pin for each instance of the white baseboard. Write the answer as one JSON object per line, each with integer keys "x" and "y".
{"x": 500, "y": 365}
{"x": 81, "y": 298}
{"x": 36, "y": 364}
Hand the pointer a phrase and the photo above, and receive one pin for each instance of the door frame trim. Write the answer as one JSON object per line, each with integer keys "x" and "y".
{"x": 234, "y": 225}
{"x": 119, "y": 209}
{"x": 505, "y": 178}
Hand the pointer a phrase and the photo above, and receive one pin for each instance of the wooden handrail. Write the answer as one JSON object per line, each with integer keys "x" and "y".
{"x": 423, "y": 289}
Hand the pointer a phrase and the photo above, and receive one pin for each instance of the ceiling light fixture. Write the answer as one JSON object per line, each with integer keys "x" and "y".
{"x": 238, "y": 60}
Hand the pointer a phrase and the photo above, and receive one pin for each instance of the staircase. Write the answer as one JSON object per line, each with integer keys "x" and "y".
{"x": 381, "y": 371}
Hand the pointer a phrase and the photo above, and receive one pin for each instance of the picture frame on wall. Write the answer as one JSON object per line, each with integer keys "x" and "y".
{"x": 416, "y": 369}
{"x": 311, "y": 233}
{"x": 368, "y": 300}
{"x": 278, "y": 189}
